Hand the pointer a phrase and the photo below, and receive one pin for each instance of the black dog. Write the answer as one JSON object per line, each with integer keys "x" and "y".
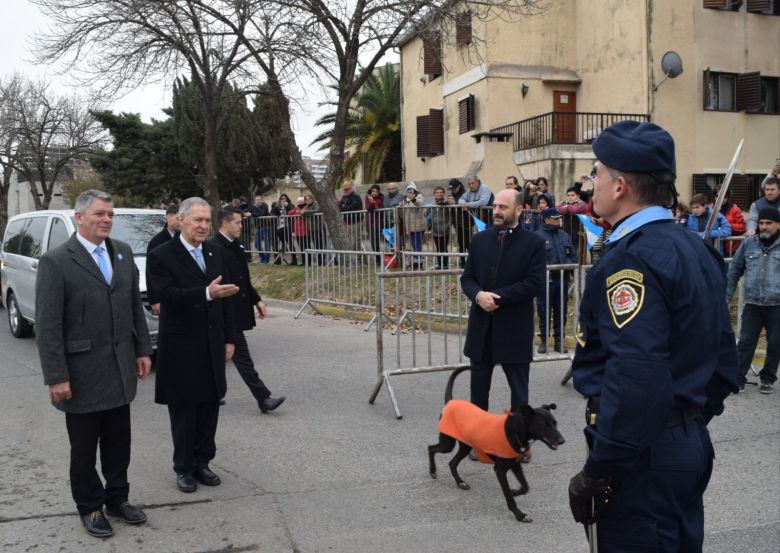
{"x": 498, "y": 439}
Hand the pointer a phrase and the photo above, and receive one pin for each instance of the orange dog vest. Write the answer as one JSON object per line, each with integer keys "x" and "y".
{"x": 482, "y": 430}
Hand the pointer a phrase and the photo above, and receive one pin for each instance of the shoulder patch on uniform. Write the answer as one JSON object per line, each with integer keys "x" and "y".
{"x": 625, "y": 295}
{"x": 625, "y": 273}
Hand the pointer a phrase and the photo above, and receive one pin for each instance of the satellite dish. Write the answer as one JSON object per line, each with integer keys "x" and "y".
{"x": 672, "y": 66}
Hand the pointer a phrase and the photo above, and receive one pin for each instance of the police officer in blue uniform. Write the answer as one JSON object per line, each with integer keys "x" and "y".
{"x": 558, "y": 250}
{"x": 655, "y": 355}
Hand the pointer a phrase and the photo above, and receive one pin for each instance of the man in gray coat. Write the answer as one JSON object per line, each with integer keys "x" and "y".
{"x": 94, "y": 346}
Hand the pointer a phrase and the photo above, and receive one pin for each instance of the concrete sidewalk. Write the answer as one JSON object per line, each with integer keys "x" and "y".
{"x": 328, "y": 472}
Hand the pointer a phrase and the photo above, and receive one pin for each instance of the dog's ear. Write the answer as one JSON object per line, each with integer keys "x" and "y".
{"x": 549, "y": 407}
{"x": 526, "y": 410}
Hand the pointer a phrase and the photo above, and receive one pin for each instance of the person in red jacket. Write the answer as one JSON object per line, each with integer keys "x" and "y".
{"x": 300, "y": 226}
{"x": 733, "y": 215}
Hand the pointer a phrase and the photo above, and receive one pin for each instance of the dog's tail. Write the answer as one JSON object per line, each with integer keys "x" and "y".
{"x": 451, "y": 383}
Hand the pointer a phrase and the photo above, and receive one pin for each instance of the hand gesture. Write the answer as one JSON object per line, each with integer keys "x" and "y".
{"x": 217, "y": 290}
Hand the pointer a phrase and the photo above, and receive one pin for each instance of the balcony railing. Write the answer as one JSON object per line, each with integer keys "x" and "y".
{"x": 562, "y": 128}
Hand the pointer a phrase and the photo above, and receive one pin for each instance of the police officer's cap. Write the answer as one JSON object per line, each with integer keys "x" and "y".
{"x": 551, "y": 213}
{"x": 636, "y": 147}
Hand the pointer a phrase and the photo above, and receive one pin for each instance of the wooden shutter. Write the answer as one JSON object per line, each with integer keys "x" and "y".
{"x": 738, "y": 191}
{"x": 749, "y": 91}
{"x": 463, "y": 29}
{"x": 700, "y": 185}
{"x": 759, "y": 6}
{"x": 706, "y": 84}
{"x": 432, "y": 55}
{"x": 715, "y": 4}
{"x": 436, "y": 118}
{"x": 423, "y": 136}
{"x": 466, "y": 114}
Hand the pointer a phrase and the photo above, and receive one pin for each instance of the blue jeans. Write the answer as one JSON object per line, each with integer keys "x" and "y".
{"x": 262, "y": 237}
{"x": 754, "y": 317}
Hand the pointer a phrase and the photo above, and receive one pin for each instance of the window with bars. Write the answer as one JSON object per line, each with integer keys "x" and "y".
{"x": 466, "y": 120}
{"x": 432, "y": 54}
{"x": 430, "y": 134}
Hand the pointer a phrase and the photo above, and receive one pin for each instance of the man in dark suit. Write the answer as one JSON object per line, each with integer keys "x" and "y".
{"x": 196, "y": 338}
{"x": 172, "y": 226}
{"x": 94, "y": 346}
{"x": 504, "y": 272}
{"x": 243, "y": 303}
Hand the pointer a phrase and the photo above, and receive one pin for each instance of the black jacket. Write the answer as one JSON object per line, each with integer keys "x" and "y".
{"x": 157, "y": 240}
{"x": 237, "y": 272}
{"x": 351, "y": 202}
{"x": 518, "y": 278}
{"x": 193, "y": 331}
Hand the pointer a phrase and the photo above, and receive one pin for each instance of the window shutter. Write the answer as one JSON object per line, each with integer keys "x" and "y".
{"x": 749, "y": 91}
{"x": 738, "y": 191}
{"x": 463, "y": 29}
{"x": 436, "y": 118}
{"x": 759, "y": 6}
{"x": 466, "y": 120}
{"x": 432, "y": 55}
{"x": 423, "y": 136}
{"x": 715, "y": 4}
{"x": 707, "y": 84}
{"x": 700, "y": 185}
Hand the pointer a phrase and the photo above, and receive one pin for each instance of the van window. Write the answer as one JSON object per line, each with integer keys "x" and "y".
{"x": 32, "y": 237}
{"x": 137, "y": 229}
{"x": 58, "y": 234}
{"x": 13, "y": 236}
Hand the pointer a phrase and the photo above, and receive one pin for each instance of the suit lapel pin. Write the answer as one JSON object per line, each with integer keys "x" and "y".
{"x": 119, "y": 256}
{"x": 209, "y": 254}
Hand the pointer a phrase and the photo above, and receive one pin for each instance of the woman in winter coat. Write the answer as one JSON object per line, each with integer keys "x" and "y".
{"x": 300, "y": 225}
{"x": 413, "y": 217}
{"x": 375, "y": 200}
{"x": 441, "y": 225}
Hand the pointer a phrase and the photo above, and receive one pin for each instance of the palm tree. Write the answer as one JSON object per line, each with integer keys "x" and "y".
{"x": 373, "y": 131}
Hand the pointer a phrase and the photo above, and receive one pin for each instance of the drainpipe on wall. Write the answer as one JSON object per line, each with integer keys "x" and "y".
{"x": 649, "y": 46}
{"x": 403, "y": 127}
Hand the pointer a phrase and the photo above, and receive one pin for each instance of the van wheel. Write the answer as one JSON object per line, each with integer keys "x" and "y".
{"x": 20, "y": 328}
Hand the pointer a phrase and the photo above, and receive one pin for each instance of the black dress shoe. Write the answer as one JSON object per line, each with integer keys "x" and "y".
{"x": 206, "y": 477}
{"x": 186, "y": 483}
{"x": 96, "y": 524}
{"x": 270, "y": 403}
{"x": 127, "y": 513}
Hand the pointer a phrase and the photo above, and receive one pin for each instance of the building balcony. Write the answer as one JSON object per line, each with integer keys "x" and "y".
{"x": 562, "y": 128}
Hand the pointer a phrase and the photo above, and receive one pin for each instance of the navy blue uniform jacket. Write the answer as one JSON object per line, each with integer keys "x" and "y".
{"x": 654, "y": 334}
{"x": 518, "y": 278}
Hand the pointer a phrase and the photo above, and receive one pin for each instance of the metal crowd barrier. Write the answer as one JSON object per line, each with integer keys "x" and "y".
{"x": 427, "y": 314}
{"x": 343, "y": 278}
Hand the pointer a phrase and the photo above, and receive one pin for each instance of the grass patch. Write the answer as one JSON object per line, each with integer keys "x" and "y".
{"x": 279, "y": 282}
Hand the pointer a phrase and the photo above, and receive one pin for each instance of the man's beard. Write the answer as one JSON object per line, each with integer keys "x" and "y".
{"x": 508, "y": 222}
{"x": 768, "y": 237}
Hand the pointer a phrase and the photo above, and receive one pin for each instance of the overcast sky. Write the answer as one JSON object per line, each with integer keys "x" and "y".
{"x": 21, "y": 20}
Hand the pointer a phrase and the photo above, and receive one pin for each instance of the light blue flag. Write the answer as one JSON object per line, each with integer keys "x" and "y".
{"x": 389, "y": 234}
{"x": 481, "y": 225}
{"x": 592, "y": 230}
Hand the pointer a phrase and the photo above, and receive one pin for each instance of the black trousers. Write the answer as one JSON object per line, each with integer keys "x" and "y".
{"x": 111, "y": 431}
{"x": 517, "y": 376}
{"x": 193, "y": 428}
{"x": 246, "y": 368}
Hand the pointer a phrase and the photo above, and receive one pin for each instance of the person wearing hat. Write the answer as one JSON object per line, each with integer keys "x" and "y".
{"x": 656, "y": 355}
{"x": 413, "y": 218}
{"x": 460, "y": 218}
{"x": 559, "y": 250}
{"x": 758, "y": 258}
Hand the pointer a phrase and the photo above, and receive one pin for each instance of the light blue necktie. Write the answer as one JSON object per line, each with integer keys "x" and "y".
{"x": 198, "y": 254}
{"x": 102, "y": 263}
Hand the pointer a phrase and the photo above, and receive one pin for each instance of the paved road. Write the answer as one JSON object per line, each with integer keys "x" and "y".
{"x": 330, "y": 473}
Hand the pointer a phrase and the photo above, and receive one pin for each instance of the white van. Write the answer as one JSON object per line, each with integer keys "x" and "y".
{"x": 29, "y": 235}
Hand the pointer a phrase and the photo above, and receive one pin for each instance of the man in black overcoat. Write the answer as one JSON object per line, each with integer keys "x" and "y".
{"x": 168, "y": 231}
{"x": 243, "y": 303}
{"x": 196, "y": 337}
{"x": 505, "y": 270}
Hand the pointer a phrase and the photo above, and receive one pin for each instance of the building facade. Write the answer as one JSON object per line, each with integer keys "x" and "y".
{"x": 527, "y": 97}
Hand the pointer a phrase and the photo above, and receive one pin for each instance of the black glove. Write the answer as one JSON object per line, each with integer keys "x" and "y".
{"x": 583, "y": 491}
